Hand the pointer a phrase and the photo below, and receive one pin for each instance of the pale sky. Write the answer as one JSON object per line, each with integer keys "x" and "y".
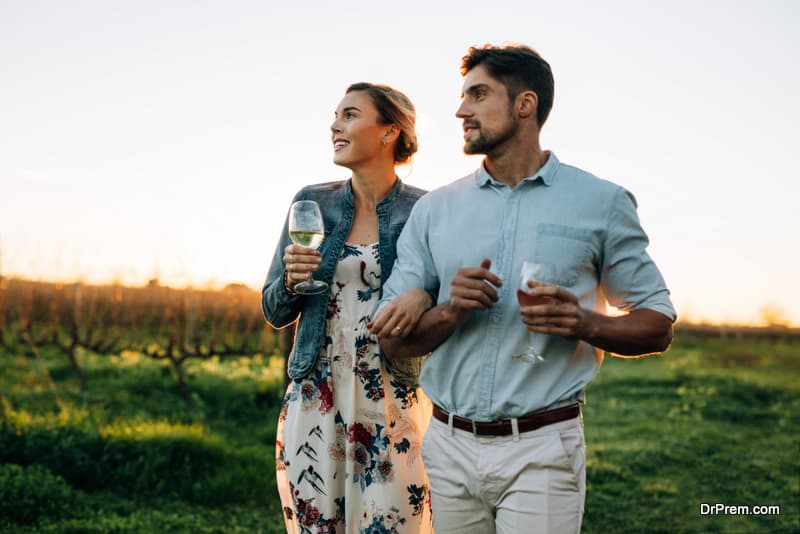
{"x": 167, "y": 137}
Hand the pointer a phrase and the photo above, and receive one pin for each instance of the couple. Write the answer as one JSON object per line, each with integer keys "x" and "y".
{"x": 504, "y": 450}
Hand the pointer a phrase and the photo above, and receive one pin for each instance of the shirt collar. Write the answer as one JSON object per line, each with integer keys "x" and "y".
{"x": 547, "y": 173}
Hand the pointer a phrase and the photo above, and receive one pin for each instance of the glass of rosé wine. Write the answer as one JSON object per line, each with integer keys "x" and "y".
{"x": 541, "y": 274}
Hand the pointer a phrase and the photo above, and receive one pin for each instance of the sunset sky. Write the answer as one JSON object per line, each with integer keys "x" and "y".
{"x": 165, "y": 138}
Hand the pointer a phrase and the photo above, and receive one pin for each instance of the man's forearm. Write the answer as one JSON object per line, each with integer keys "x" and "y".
{"x": 638, "y": 333}
{"x": 433, "y": 327}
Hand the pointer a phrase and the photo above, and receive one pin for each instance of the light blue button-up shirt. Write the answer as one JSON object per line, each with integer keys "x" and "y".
{"x": 587, "y": 226}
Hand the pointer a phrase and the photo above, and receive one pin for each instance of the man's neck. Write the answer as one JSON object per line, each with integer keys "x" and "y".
{"x": 512, "y": 166}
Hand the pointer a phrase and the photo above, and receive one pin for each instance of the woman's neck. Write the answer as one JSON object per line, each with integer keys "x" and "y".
{"x": 369, "y": 188}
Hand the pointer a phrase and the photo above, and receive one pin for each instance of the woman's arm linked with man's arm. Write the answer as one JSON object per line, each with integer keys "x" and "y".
{"x": 472, "y": 289}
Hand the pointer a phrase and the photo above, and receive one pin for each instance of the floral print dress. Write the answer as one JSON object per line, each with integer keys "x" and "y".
{"x": 350, "y": 434}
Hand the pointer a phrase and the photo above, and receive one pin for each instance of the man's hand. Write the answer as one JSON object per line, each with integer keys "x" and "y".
{"x": 472, "y": 289}
{"x": 559, "y": 315}
{"x": 640, "y": 332}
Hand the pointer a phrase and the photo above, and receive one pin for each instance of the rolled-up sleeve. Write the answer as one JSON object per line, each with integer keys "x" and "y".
{"x": 414, "y": 267}
{"x": 630, "y": 278}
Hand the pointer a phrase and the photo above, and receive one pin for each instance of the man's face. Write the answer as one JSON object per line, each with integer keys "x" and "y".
{"x": 486, "y": 113}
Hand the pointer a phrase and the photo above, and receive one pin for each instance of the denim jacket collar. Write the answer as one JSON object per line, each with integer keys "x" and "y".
{"x": 349, "y": 197}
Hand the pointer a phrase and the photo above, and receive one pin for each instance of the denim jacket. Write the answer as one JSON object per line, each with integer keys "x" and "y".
{"x": 336, "y": 203}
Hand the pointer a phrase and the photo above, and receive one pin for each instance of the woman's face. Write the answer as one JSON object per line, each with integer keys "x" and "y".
{"x": 357, "y": 136}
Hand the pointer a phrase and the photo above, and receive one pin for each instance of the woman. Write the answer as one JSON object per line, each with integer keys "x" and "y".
{"x": 349, "y": 433}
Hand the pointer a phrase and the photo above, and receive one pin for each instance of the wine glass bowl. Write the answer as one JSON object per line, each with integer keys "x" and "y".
{"x": 526, "y": 299}
{"x": 307, "y": 228}
{"x": 541, "y": 274}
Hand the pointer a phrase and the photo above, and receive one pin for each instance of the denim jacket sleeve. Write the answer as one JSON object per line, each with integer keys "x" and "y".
{"x": 279, "y": 307}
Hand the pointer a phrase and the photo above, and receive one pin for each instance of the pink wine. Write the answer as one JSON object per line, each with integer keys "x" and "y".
{"x": 527, "y": 300}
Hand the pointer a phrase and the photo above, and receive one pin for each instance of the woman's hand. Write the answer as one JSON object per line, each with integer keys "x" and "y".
{"x": 300, "y": 262}
{"x": 400, "y": 316}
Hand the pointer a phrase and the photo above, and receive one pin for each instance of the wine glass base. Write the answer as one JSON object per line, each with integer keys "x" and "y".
{"x": 313, "y": 287}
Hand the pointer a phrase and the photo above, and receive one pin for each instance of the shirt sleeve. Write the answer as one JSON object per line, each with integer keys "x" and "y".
{"x": 414, "y": 266}
{"x": 629, "y": 278}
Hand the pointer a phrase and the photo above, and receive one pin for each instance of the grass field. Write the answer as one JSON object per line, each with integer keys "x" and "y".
{"x": 704, "y": 423}
{"x": 707, "y": 423}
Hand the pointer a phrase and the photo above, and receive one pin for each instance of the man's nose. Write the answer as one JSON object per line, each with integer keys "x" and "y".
{"x": 463, "y": 110}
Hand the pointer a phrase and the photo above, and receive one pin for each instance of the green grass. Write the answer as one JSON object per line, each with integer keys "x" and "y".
{"x": 704, "y": 423}
{"x": 130, "y": 455}
{"x": 707, "y": 423}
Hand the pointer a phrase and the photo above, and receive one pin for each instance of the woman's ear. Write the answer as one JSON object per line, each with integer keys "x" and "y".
{"x": 391, "y": 133}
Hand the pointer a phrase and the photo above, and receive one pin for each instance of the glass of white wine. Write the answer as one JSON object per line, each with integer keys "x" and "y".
{"x": 544, "y": 273}
{"x": 307, "y": 228}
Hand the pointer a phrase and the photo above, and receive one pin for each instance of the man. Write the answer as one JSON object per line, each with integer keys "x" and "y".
{"x": 504, "y": 450}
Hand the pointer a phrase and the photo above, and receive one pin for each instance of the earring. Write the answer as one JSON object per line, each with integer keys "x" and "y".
{"x": 383, "y": 141}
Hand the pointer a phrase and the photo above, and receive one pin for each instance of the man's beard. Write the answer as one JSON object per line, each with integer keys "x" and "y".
{"x": 486, "y": 143}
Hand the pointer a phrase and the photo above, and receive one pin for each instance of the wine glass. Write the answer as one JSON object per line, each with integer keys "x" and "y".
{"x": 543, "y": 273}
{"x": 307, "y": 228}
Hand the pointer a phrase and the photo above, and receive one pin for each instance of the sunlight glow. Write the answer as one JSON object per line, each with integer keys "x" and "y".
{"x": 139, "y": 144}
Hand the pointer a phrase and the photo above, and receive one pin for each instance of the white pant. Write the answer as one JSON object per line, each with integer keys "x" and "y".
{"x": 534, "y": 482}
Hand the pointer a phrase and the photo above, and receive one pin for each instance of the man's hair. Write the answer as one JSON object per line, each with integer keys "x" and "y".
{"x": 519, "y": 68}
{"x": 393, "y": 107}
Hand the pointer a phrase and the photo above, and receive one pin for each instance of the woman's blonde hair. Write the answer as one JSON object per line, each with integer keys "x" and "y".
{"x": 393, "y": 107}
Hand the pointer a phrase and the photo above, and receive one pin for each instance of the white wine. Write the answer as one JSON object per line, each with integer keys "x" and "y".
{"x": 306, "y": 238}
{"x": 306, "y": 228}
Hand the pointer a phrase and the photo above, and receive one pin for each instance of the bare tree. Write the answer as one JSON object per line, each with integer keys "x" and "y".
{"x": 201, "y": 325}
{"x": 161, "y": 323}
{"x": 90, "y": 320}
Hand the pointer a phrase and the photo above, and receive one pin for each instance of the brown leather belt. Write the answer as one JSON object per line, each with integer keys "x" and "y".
{"x": 504, "y": 428}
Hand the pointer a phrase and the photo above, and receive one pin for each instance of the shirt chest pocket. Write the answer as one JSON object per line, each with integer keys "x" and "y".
{"x": 570, "y": 248}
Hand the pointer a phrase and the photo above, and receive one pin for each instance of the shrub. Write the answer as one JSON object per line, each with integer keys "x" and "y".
{"x": 147, "y": 459}
{"x": 28, "y": 493}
